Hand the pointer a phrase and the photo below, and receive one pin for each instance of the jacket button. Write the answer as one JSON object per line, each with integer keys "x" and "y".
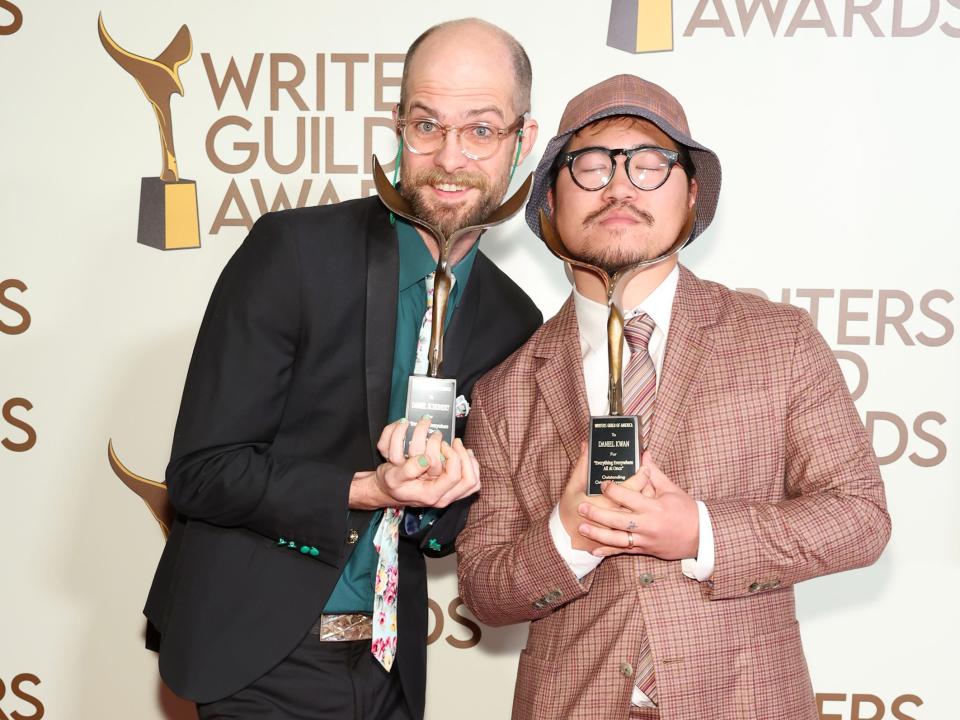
{"x": 352, "y": 536}
{"x": 646, "y": 579}
{"x": 754, "y": 587}
{"x": 626, "y": 669}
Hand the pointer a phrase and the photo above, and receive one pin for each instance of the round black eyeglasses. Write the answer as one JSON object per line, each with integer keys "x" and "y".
{"x": 648, "y": 166}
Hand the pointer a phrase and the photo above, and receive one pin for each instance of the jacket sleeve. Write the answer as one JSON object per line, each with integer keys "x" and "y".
{"x": 223, "y": 467}
{"x": 509, "y": 569}
{"x": 834, "y": 516}
{"x": 436, "y": 536}
{"x": 437, "y": 539}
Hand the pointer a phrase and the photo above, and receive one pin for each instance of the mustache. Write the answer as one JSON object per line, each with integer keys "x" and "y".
{"x": 597, "y": 215}
{"x": 436, "y": 176}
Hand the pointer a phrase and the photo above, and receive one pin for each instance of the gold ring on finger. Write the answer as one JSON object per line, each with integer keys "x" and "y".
{"x": 630, "y": 539}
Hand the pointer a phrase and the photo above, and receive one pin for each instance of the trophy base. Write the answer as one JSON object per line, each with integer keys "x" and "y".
{"x": 168, "y": 214}
{"x": 614, "y": 450}
{"x": 435, "y": 397}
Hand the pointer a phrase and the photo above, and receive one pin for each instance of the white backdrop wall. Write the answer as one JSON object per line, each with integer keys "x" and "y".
{"x": 835, "y": 123}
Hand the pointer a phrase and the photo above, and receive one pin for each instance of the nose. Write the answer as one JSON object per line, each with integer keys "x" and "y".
{"x": 448, "y": 157}
{"x": 620, "y": 188}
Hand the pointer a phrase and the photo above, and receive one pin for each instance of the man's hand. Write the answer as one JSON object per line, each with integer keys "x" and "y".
{"x": 435, "y": 475}
{"x": 664, "y": 523}
{"x": 575, "y": 496}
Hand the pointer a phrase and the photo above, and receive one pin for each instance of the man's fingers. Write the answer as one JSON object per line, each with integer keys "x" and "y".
{"x": 435, "y": 454}
{"x": 399, "y": 430}
{"x": 625, "y": 496}
{"x": 418, "y": 442}
{"x": 453, "y": 467}
{"x": 469, "y": 467}
{"x": 604, "y": 551}
{"x": 411, "y": 468}
{"x": 461, "y": 489}
{"x": 475, "y": 464}
{"x": 658, "y": 479}
{"x": 606, "y": 536}
{"x": 462, "y": 465}
{"x": 637, "y": 481}
{"x": 383, "y": 444}
{"x": 614, "y": 519}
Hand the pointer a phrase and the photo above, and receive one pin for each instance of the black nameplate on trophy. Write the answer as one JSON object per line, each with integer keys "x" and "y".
{"x": 432, "y": 396}
{"x": 614, "y": 450}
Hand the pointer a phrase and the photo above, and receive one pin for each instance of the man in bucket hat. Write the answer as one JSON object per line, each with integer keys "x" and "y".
{"x": 670, "y": 595}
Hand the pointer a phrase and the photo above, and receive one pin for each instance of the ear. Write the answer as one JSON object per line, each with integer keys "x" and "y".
{"x": 396, "y": 115}
{"x": 530, "y": 128}
{"x": 692, "y": 193}
{"x": 550, "y": 201}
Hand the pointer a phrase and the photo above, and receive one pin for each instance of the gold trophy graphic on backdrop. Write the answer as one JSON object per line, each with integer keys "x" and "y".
{"x": 168, "y": 204}
{"x": 432, "y": 394}
{"x": 614, "y": 445}
{"x": 641, "y": 26}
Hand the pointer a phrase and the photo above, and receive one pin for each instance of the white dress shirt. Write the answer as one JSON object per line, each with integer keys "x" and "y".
{"x": 592, "y": 324}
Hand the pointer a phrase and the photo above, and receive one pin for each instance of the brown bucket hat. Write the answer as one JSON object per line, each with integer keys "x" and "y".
{"x": 629, "y": 95}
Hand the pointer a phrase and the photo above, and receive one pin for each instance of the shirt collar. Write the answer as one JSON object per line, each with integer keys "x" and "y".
{"x": 592, "y": 315}
{"x": 416, "y": 262}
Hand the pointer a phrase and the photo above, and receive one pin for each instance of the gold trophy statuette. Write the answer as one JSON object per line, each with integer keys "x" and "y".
{"x": 615, "y": 439}
{"x": 431, "y": 394}
{"x": 168, "y": 204}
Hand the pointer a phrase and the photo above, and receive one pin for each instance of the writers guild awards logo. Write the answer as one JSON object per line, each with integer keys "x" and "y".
{"x": 641, "y": 26}
{"x": 11, "y": 27}
{"x": 168, "y": 204}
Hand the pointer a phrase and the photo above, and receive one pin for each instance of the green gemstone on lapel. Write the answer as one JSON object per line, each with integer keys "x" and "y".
{"x": 291, "y": 544}
{"x": 434, "y": 545}
{"x": 314, "y": 552}
{"x": 281, "y": 541}
{"x": 304, "y": 549}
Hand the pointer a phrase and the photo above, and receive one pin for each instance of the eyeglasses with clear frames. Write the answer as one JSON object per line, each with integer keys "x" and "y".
{"x": 648, "y": 166}
{"x": 478, "y": 141}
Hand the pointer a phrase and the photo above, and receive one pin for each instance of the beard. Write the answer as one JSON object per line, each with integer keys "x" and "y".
{"x": 611, "y": 260}
{"x": 618, "y": 252}
{"x": 450, "y": 217}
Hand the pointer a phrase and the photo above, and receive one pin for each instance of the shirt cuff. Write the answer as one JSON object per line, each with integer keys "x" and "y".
{"x": 580, "y": 562}
{"x": 700, "y": 568}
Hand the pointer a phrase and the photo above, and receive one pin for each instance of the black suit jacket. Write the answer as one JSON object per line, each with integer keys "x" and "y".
{"x": 285, "y": 398}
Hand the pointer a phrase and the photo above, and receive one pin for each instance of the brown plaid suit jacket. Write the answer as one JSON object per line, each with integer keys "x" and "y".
{"x": 754, "y": 418}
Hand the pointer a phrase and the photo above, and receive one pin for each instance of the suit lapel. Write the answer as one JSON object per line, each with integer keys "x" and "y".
{"x": 560, "y": 378}
{"x": 383, "y": 267}
{"x": 689, "y": 349}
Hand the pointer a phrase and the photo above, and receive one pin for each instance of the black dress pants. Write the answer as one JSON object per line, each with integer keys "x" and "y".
{"x": 318, "y": 681}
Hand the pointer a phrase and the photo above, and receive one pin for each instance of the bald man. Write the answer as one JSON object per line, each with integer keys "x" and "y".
{"x": 285, "y": 589}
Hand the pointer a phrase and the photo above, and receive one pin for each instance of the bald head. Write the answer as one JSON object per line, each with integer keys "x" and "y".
{"x": 486, "y": 41}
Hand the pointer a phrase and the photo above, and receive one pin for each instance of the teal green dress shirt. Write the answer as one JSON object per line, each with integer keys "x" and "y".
{"x": 354, "y": 591}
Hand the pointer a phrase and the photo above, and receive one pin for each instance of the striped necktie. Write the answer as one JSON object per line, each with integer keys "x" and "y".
{"x": 640, "y": 394}
{"x": 640, "y": 375}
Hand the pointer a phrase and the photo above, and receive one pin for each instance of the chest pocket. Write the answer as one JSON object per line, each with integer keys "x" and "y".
{"x": 729, "y": 444}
